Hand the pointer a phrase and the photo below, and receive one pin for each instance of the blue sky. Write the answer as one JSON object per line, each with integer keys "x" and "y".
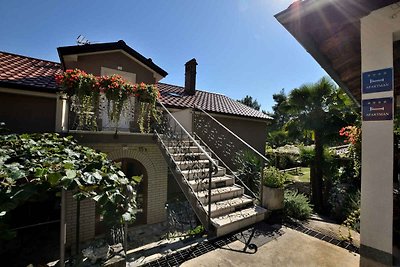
{"x": 240, "y": 47}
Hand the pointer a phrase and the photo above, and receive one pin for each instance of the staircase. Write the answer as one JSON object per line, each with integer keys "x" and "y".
{"x": 208, "y": 187}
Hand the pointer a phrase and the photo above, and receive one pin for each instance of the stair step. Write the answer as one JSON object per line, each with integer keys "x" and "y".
{"x": 184, "y": 149}
{"x": 184, "y": 142}
{"x": 224, "y": 207}
{"x": 188, "y": 156}
{"x": 220, "y": 181}
{"x": 190, "y": 164}
{"x": 219, "y": 194}
{"x": 202, "y": 173}
{"x": 237, "y": 220}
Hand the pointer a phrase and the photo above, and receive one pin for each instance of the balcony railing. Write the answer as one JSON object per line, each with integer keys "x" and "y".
{"x": 129, "y": 120}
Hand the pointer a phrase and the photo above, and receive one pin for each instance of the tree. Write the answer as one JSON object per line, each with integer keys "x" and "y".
{"x": 281, "y": 109}
{"x": 248, "y": 101}
{"x": 322, "y": 109}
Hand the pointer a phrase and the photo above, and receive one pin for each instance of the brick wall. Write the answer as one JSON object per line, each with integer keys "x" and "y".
{"x": 87, "y": 219}
{"x": 149, "y": 155}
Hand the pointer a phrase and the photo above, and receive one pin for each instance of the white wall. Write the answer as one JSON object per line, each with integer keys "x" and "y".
{"x": 378, "y": 31}
{"x": 185, "y": 118}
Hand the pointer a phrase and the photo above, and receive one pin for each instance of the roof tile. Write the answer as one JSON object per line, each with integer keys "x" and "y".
{"x": 175, "y": 96}
{"x": 26, "y": 71}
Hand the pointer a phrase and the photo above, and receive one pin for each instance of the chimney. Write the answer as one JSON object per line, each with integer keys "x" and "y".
{"x": 190, "y": 77}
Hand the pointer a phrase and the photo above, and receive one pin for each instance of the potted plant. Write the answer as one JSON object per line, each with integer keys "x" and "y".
{"x": 273, "y": 193}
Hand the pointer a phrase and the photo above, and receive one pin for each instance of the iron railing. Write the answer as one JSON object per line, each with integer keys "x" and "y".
{"x": 240, "y": 158}
{"x": 188, "y": 161}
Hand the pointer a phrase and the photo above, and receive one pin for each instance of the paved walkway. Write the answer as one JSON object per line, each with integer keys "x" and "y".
{"x": 290, "y": 249}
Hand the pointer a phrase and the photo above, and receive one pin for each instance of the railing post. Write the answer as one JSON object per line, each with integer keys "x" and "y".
{"x": 210, "y": 172}
{"x": 261, "y": 180}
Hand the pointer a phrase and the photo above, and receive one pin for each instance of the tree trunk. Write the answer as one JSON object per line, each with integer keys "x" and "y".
{"x": 317, "y": 180}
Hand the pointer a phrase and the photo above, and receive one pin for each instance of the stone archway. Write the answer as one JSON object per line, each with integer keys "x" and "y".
{"x": 151, "y": 167}
{"x": 132, "y": 167}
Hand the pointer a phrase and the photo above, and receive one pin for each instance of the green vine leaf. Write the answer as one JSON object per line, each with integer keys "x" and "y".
{"x": 71, "y": 174}
{"x": 54, "y": 178}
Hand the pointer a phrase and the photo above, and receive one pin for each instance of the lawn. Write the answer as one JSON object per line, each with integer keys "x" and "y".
{"x": 302, "y": 176}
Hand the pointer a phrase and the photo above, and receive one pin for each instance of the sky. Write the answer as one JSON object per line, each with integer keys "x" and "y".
{"x": 240, "y": 47}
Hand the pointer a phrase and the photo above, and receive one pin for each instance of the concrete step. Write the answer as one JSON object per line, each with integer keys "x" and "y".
{"x": 190, "y": 156}
{"x": 194, "y": 164}
{"x": 237, "y": 220}
{"x": 219, "y": 194}
{"x": 202, "y": 173}
{"x": 184, "y": 149}
{"x": 220, "y": 181}
{"x": 225, "y": 207}
{"x": 184, "y": 142}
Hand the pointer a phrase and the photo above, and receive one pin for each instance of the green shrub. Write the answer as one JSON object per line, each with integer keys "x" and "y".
{"x": 283, "y": 160}
{"x": 344, "y": 199}
{"x": 249, "y": 167}
{"x": 274, "y": 178}
{"x": 297, "y": 205}
{"x": 306, "y": 155}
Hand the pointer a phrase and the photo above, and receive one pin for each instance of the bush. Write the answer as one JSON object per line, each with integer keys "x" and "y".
{"x": 344, "y": 200}
{"x": 282, "y": 160}
{"x": 306, "y": 155}
{"x": 274, "y": 178}
{"x": 297, "y": 205}
{"x": 249, "y": 167}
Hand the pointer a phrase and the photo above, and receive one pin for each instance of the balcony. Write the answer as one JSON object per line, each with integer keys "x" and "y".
{"x": 106, "y": 104}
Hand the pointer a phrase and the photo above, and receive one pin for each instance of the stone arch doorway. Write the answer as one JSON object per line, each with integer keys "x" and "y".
{"x": 132, "y": 167}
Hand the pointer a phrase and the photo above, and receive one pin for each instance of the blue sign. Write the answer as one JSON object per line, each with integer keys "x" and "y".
{"x": 377, "y": 81}
{"x": 378, "y": 109}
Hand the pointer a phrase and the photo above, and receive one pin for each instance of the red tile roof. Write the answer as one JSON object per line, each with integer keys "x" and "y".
{"x": 25, "y": 72}
{"x": 175, "y": 97}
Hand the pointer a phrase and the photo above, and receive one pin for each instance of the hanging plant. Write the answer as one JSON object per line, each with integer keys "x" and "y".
{"x": 83, "y": 93}
{"x": 147, "y": 96}
{"x": 117, "y": 92}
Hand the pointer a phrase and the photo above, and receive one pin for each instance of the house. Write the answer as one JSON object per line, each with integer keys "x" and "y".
{"x": 358, "y": 44}
{"x": 32, "y": 102}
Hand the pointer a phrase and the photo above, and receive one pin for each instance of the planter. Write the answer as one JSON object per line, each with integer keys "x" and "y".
{"x": 272, "y": 198}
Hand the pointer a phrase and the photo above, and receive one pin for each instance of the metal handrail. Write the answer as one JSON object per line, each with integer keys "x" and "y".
{"x": 232, "y": 133}
{"x": 228, "y": 168}
{"x": 189, "y": 135}
{"x": 188, "y": 187}
{"x": 213, "y": 166}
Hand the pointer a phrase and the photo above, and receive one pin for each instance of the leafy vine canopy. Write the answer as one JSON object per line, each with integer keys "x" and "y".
{"x": 31, "y": 164}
